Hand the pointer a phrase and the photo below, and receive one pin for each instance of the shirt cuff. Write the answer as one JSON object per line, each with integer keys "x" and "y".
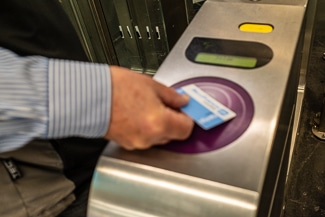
{"x": 79, "y": 99}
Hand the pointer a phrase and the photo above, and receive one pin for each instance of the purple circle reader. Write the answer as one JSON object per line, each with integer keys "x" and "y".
{"x": 232, "y": 96}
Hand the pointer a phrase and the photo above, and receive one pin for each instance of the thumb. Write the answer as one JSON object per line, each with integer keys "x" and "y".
{"x": 171, "y": 98}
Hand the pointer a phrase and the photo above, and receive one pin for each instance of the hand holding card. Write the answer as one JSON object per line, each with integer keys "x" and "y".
{"x": 203, "y": 109}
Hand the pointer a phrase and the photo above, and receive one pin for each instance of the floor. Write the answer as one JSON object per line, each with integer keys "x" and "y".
{"x": 305, "y": 194}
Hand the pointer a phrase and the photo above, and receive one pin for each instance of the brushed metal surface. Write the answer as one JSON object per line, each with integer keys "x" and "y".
{"x": 143, "y": 187}
{"x": 247, "y": 157}
{"x": 157, "y": 182}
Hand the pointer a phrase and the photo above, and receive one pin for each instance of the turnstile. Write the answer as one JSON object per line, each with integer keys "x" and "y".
{"x": 247, "y": 55}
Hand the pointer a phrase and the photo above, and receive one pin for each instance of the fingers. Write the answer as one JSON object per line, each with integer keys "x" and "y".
{"x": 172, "y": 125}
{"x": 144, "y": 112}
{"x": 178, "y": 125}
{"x": 171, "y": 98}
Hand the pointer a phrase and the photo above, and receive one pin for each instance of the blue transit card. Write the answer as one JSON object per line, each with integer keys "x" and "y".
{"x": 203, "y": 109}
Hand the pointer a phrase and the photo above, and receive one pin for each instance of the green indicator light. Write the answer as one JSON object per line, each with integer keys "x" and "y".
{"x": 226, "y": 60}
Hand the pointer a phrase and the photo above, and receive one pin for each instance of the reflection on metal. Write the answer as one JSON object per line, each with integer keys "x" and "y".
{"x": 134, "y": 34}
{"x": 176, "y": 194}
{"x": 307, "y": 38}
{"x": 86, "y": 19}
{"x": 246, "y": 177}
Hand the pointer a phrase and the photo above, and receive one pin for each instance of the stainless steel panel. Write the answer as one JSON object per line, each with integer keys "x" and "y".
{"x": 134, "y": 34}
{"x": 270, "y": 81}
{"x": 150, "y": 34}
{"x": 149, "y": 191}
{"x": 119, "y": 22}
{"x": 148, "y": 28}
{"x": 251, "y": 163}
{"x": 86, "y": 19}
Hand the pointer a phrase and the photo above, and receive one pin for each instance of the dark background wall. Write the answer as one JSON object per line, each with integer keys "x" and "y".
{"x": 305, "y": 196}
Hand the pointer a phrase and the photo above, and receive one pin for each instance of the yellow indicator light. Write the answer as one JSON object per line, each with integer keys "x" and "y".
{"x": 256, "y": 27}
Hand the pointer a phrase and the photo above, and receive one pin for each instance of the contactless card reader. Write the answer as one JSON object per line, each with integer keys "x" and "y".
{"x": 244, "y": 54}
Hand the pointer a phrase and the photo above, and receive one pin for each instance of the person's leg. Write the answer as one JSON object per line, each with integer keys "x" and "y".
{"x": 32, "y": 182}
{"x": 80, "y": 157}
{"x": 79, "y": 207}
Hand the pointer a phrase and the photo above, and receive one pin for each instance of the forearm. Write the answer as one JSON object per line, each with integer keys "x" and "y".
{"x": 42, "y": 98}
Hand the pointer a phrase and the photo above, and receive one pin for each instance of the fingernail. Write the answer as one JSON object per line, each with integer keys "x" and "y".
{"x": 186, "y": 97}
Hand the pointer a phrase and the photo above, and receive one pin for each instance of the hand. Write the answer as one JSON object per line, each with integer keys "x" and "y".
{"x": 145, "y": 112}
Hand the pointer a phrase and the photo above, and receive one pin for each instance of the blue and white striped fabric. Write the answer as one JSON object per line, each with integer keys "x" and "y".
{"x": 48, "y": 98}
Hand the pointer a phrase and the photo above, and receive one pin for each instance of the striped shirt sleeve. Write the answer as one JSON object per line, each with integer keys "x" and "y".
{"x": 79, "y": 98}
{"x": 48, "y": 98}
